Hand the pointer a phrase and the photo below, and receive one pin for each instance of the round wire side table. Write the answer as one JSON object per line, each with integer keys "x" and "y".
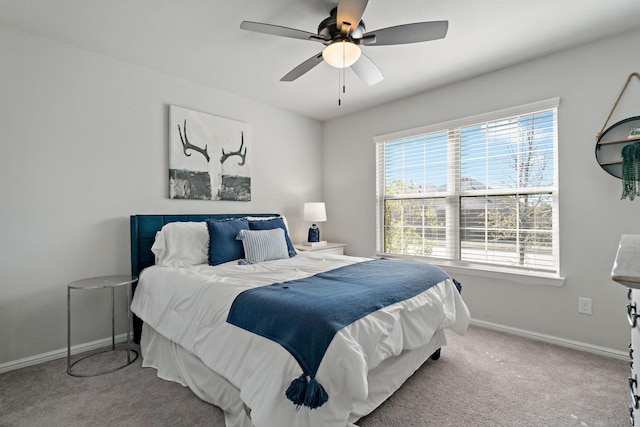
{"x": 104, "y": 282}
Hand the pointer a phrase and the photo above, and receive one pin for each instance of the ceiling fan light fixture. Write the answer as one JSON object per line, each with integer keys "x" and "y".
{"x": 341, "y": 54}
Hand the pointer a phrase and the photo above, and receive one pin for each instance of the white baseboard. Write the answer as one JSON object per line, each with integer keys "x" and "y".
{"x": 576, "y": 345}
{"x": 59, "y": 354}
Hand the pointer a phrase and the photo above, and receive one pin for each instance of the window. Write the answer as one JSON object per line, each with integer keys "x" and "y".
{"x": 479, "y": 192}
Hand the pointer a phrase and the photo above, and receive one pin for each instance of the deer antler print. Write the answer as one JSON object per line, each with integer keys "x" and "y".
{"x": 187, "y": 146}
{"x": 239, "y": 153}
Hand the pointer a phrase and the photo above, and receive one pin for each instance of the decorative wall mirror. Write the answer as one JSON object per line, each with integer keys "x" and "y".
{"x": 611, "y": 142}
{"x": 618, "y": 147}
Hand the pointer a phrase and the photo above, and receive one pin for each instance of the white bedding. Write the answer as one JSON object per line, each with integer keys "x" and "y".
{"x": 189, "y": 306}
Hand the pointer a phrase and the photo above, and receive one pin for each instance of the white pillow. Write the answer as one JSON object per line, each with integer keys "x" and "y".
{"x": 181, "y": 244}
{"x": 263, "y": 245}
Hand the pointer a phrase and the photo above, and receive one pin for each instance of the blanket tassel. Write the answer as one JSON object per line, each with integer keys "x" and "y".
{"x": 297, "y": 390}
{"x": 315, "y": 395}
{"x": 306, "y": 393}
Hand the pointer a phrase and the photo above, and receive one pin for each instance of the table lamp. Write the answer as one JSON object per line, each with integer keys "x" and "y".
{"x": 626, "y": 267}
{"x": 314, "y": 212}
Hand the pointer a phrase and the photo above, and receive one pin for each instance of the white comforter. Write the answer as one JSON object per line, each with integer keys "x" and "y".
{"x": 190, "y": 305}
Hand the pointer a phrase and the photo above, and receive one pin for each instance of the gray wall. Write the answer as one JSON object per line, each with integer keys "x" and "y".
{"x": 84, "y": 145}
{"x": 592, "y": 216}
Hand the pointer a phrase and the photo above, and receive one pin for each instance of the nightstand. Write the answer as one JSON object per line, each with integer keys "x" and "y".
{"x": 329, "y": 248}
{"x": 105, "y": 282}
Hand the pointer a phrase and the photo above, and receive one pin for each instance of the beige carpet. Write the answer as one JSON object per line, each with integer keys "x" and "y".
{"x": 485, "y": 378}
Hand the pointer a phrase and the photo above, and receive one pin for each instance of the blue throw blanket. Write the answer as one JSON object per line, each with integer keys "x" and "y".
{"x": 304, "y": 315}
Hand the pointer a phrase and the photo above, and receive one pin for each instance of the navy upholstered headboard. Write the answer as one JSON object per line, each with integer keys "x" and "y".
{"x": 145, "y": 227}
{"x": 143, "y": 232}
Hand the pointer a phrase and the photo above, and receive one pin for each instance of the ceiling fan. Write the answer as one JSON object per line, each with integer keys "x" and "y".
{"x": 343, "y": 33}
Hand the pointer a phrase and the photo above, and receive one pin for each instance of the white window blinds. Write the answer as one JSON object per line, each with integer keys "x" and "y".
{"x": 480, "y": 191}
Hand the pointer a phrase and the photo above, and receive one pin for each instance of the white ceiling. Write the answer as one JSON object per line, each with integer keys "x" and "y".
{"x": 201, "y": 41}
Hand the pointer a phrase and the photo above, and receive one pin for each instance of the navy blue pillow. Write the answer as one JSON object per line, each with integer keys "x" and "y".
{"x": 269, "y": 224}
{"x": 223, "y": 246}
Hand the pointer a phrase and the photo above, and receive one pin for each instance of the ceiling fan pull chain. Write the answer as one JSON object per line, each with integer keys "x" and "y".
{"x": 339, "y": 94}
{"x": 341, "y": 78}
{"x": 344, "y": 75}
{"x": 344, "y": 81}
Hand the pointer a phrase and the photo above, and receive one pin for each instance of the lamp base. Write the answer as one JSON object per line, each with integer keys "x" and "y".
{"x": 314, "y": 234}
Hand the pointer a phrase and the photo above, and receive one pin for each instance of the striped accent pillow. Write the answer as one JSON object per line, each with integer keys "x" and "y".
{"x": 263, "y": 245}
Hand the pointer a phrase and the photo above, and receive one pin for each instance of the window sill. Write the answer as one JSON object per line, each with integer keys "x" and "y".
{"x": 522, "y": 277}
{"x": 533, "y": 278}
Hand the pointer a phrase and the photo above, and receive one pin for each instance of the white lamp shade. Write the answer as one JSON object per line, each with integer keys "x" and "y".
{"x": 626, "y": 267}
{"x": 341, "y": 54}
{"x": 315, "y": 212}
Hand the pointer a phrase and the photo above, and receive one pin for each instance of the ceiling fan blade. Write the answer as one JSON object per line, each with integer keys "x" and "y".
{"x": 350, "y": 12}
{"x": 277, "y": 30}
{"x": 302, "y": 68}
{"x": 408, "y": 33}
{"x": 367, "y": 70}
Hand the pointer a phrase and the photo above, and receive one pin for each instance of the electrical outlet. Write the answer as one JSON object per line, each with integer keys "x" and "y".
{"x": 584, "y": 305}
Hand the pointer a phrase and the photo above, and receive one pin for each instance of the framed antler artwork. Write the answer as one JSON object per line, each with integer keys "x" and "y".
{"x": 209, "y": 157}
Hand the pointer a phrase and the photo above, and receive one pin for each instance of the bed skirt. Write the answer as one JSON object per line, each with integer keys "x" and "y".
{"x": 174, "y": 363}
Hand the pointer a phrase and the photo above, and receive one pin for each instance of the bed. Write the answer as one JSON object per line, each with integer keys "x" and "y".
{"x": 189, "y": 321}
